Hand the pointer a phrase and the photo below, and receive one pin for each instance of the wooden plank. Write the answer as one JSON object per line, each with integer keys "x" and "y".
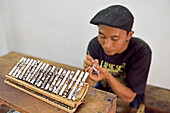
{"x": 48, "y": 94}
{"x": 68, "y": 110}
{"x": 73, "y": 104}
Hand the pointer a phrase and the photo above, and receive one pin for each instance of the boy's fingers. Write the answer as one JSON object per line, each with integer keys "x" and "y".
{"x": 96, "y": 64}
{"x": 91, "y": 76}
{"x": 88, "y": 57}
{"x": 88, "y": 63}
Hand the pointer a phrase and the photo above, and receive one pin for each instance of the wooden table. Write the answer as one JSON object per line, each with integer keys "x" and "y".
{"x": 96, "y": 101}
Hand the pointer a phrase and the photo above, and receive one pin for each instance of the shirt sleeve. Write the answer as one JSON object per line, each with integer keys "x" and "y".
{"x": 137, "y": 72}
{"x": 93, "y": 48}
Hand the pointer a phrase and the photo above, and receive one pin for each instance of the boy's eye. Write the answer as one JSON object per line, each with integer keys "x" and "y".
{"x": 103, "y": 37}
{"x": 115, "y": 39}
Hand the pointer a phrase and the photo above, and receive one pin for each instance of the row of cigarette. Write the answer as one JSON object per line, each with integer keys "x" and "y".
{"x": 57, "y": 80}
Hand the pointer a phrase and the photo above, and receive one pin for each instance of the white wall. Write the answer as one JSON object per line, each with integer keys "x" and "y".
{"x": 60, "y": 30}
{"x": 3, "y": 43}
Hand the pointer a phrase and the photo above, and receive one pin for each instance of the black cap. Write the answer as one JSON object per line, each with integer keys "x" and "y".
{"x": 115, "y": 16}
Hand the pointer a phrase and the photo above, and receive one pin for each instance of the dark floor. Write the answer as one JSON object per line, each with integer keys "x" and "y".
{"x": 4, "y": 108}
{"x": 157, "y": 98}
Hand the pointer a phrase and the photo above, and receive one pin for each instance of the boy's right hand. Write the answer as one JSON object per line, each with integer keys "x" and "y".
{"x": 87, "y": 62}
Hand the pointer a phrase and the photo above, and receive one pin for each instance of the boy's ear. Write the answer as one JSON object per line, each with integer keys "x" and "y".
{"x": 130, "y": 35}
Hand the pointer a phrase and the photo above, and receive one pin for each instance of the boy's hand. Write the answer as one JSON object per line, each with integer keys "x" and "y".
{"x": 88, "y": 62}
{"x": 103, "y": 73}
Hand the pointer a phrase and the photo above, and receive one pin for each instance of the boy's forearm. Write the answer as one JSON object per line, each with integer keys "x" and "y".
{"x": 122, "y": 91}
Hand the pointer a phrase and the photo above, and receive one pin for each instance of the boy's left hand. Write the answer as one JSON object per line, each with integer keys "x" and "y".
{"x": 103, "y": 73}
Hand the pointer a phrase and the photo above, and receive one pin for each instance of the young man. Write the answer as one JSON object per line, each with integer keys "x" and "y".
{"x": 122, "y": 61}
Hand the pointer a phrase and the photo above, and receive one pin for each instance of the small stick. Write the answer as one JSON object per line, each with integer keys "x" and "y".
{"x": 95, "y": 70}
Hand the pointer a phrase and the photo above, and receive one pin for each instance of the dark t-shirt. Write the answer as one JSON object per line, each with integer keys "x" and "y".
{"x": 130, "y": 67}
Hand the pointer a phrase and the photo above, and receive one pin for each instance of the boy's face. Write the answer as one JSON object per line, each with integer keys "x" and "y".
{"x": 113, "y": 40}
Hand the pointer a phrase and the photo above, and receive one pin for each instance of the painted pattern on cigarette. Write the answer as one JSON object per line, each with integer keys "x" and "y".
{"x": 60, "y": 87}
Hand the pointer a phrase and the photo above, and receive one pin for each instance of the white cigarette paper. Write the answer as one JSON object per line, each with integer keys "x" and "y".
{"x": 75, "y": 86}
{"x": 80, "y": 86}
{"x": 59, "y": 81}
{"x": 56, "y": 78}
{"x": 29, "y": 70}
{"x": 61, "y": 84}
{"x": 70, "y": 85}
{"x": 33, "y": 74}
{"x": 51, "y": 79}
{"x": 19, "y": 66}
{"x": 10, "y": 73}
{"x": 67, "y": 82}
{"x": 22, "y": 74}
{"x": 40, "y": 70}
{"x": 48, "y": 76}
{"x": 21, "y": 69}
{"x": 41, "y": 74}
{"x": 44, "y": 76}
{"x": 32, "y": 70}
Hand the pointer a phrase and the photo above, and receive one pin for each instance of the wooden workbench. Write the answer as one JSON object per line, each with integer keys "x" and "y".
{"x": 96, "y": 101}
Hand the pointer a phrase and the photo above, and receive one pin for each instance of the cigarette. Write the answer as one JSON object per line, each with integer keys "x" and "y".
{"x": 96, "y": 71}
{"x": 10, "y": 73}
